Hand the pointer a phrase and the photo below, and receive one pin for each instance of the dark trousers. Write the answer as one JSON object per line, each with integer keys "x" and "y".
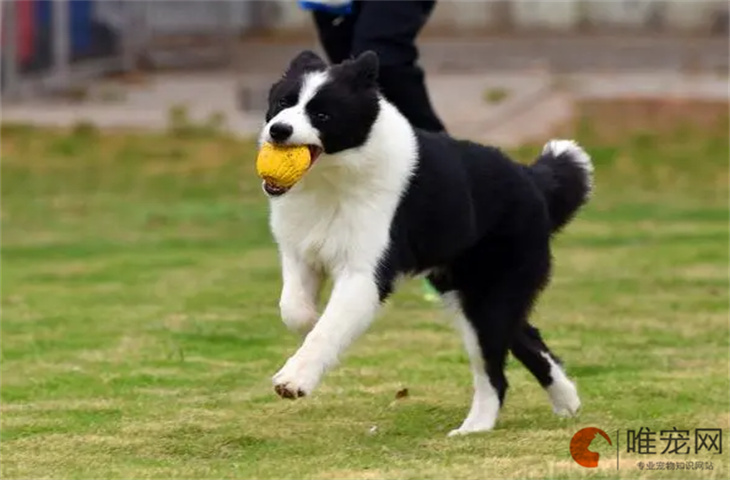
{"x": 389, "y": 28}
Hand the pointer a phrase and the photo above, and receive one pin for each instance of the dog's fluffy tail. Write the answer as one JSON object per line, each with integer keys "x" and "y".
{"x": 564, "y": 174}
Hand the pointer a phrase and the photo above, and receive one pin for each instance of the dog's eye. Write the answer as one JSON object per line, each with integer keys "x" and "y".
{"x": 322, "y": 117}
{"x": 285, "y": 102}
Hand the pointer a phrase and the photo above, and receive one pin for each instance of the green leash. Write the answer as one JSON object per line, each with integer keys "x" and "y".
{"x": 430, "y": 294}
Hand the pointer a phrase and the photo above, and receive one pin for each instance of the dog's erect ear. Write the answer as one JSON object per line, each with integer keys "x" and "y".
{"x": 306, "y": 61}
{"x": 365, "y": 69}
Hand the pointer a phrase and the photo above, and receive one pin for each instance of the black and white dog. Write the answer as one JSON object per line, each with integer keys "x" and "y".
{"x": 383, "y": 200}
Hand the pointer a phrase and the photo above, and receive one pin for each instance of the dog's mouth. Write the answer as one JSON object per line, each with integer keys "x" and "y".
{"x": 274, "y": 190}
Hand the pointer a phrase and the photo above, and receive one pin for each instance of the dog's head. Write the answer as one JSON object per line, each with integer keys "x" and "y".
{"x": 328, "y": 108}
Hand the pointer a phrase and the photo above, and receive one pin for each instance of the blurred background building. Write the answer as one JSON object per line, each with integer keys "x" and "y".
{"x": 69, "y": 47}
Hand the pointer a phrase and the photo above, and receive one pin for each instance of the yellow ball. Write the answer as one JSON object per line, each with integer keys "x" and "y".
{"x": 282, "y": 166}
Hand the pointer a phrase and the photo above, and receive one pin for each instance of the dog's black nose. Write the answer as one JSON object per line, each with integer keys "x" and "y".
{"x": 279, "y": 132}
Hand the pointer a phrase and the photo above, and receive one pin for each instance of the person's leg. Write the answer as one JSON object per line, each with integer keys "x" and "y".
{"x": 335, "y": 33}
{"x": 389, "y": 28}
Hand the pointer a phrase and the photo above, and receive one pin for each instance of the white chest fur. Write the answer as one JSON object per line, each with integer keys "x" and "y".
{"x": 334, "y": 230}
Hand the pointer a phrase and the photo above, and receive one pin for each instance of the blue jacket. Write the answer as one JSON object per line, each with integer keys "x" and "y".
{"x": 335, "y": 7}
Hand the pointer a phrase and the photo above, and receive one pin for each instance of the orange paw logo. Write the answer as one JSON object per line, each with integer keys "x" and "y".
{"x": 579, "y": 446}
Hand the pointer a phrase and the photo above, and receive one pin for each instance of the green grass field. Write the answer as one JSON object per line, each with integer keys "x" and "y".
{"x": 140, "y": 325}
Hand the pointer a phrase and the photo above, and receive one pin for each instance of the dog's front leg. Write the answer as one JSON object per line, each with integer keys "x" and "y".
{"x": 298, "y": 302}
{"x": 350, "y": 311}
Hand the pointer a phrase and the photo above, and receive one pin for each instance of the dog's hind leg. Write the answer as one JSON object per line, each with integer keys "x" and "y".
{"x": 530, "y": 349}
{"x": 487, "y": 397}
{"x": 497, "y": 285}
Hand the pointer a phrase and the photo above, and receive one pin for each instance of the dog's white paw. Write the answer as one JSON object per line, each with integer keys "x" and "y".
{"x": 564, "y": 397}
{"x": 471, "y": 427}
{"x": 297, "y": 378}
{"x": 562, "y": 392}
{"x": 481, "y": 418}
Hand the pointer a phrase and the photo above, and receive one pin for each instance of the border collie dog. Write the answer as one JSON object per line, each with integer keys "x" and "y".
{"x": 383, "y": 200}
